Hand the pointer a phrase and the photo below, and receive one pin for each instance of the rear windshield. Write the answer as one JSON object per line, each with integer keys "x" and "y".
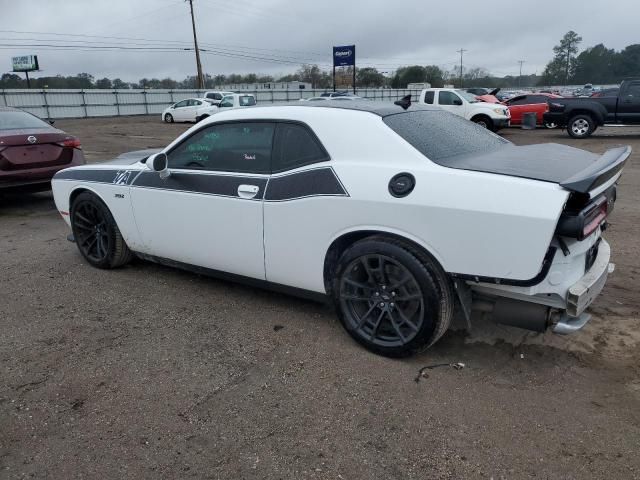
{"x": 15, "y": 120}
{"x": 439, "y": 135}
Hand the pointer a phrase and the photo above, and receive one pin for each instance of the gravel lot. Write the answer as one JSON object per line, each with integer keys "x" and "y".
{"x": 149, "y": 372}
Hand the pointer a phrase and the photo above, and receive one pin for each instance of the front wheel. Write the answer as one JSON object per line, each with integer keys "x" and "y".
{"x": 96, "y": 234}
{"x": 483, "y": 121}
{"x": 581, "y": 126}
{"x": 168, "y": 118}
{"x": 391, "y": 298}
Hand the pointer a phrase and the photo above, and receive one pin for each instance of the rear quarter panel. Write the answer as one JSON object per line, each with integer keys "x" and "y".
{"x": 471, "y": 222}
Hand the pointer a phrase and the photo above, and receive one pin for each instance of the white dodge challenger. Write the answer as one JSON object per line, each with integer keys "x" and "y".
{"x": 397, "y": 213}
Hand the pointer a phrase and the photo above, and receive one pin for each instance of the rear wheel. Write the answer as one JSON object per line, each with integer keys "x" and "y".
{"x": 168, "y": 118}
{"x": 97, "y": 236}
{"x": 483, "y": 121}
{"x": 391, "y": 298}
{"x": 581, "y": 126}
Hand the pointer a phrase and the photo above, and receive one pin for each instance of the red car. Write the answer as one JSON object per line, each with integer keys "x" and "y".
{"x": 32, "y": 151}
{"x": 533, "y": 102}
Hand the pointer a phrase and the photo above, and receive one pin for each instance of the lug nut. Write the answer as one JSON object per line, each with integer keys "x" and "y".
{"x": 384, "y": 287}
{"x": 392, "y": 305}
{"x": 382, "y": 304}
{"x": 393, "y": 294}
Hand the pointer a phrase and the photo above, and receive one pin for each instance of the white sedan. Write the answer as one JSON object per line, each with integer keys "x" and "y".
{"x": 189, "y": 110}
{"x": 397, "y": 213}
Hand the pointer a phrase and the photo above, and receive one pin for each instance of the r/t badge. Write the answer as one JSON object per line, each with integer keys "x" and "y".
{"x": 122, "y": 177}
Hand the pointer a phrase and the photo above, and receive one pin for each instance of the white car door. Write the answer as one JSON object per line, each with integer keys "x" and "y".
{"x": 451, "y": 102}
{"x": 178, "y": 110}
{"x": 192, "y": 109}
{"x": 208, "y": 212}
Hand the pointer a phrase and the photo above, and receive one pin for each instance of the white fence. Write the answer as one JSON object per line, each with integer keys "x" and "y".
{"x": 64, "y": 103}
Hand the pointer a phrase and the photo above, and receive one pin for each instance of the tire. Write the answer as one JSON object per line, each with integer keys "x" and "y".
{"x": 390, "y": 297}
{"x": 201, "y": 117}
{"x": 168, "y": 118}
{"x": 96, "y": 234}
{"x": 581, "y": 126}
{"x": 483, "y": 121}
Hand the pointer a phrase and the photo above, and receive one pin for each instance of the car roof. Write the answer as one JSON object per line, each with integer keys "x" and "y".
{"x": 382, "y": 109}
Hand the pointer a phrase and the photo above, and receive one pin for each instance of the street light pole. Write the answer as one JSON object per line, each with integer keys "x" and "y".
{"x": 200, "y": 78}
{"x": 461, "y": 51}
{"x": 520, "y": 77}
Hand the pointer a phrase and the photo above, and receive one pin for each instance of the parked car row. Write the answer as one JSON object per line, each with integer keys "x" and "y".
{"x": 196, "y": 109}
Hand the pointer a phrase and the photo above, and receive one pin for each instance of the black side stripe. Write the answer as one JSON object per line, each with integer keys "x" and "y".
{"x": 118, "y": 177}
{"x": 222, "y": 185}
{"x": 308, "y": 183}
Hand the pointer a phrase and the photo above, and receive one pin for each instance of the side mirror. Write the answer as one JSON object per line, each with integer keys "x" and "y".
{"x": 457, "y": 102}
{"x": 159, "y": 163}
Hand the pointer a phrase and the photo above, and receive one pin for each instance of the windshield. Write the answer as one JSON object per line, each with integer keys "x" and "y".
{"x": 469, "y": 97}
{"x": 440, "y": 135}
{"x": 13, "y": 120}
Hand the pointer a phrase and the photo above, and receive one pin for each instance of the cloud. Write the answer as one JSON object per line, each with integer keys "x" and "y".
{"x": 275, "y": 36}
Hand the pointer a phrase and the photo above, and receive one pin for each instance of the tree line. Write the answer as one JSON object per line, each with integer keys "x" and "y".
{"x": 597, "y": 64}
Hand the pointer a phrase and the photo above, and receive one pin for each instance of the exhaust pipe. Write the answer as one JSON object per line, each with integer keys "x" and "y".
{"x": 515, "y": 313}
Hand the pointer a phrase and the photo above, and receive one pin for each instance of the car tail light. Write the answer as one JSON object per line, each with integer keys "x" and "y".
{"x": 581, "y": 224}
{"x": 594, "y": 217}
{"x": 70, "y": 142}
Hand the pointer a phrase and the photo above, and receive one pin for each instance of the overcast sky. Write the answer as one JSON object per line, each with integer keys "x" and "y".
{"x": 387, "y": 34}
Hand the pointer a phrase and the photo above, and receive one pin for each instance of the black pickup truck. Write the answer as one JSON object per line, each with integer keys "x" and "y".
{"x": 581, "y": 116}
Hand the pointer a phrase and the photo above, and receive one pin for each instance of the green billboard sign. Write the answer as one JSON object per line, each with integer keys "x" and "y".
{"x": 25, "y": 63}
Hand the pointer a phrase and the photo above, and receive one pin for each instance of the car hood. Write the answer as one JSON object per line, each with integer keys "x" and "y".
{"x": 129, "y": 158}
{"x": 572, "y": 168}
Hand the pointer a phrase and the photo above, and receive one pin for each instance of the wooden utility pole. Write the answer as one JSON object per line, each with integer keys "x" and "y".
{"x": 200, "y": 77}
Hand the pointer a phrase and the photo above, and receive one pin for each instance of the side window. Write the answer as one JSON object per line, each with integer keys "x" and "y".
{"x": 634, "y": 89}
{"x": 296, "y": 146}
{"x": 229, "y": 147}
{"x": 428, "y": 98}
{"x": 447, "y": 98}
{"x": 519, "y": 101}
{"x": 217, "y": 96}
{"x": 194, "y": 103}
{"x": 183, "y": 103}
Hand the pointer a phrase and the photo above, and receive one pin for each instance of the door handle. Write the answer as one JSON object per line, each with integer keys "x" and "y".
{"x": 248, "y": 191}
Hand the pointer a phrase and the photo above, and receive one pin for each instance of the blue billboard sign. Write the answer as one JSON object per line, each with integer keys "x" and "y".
{"x": 344, "y": 56}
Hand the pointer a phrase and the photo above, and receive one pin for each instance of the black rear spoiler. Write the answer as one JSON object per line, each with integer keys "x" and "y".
{"x": 599, "y": 172}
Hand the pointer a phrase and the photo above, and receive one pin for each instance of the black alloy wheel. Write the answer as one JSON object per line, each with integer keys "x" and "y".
{"x": 381, "y": 300}
{"x": 391, "y": 296}
{"x": 96, "y": 234}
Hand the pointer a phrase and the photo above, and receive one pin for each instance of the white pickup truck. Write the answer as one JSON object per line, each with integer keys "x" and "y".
{"x": 492, "y": 116}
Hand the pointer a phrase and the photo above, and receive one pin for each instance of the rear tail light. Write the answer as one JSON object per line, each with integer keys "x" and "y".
{"x": 581, "y": 224}
{"x": 595, "y": 217}
{"x": 70, "y": 142}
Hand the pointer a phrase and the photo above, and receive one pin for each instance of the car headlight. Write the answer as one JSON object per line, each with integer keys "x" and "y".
{"x": 500, "y": 111}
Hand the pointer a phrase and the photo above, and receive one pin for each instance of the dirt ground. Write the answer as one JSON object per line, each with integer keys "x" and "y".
{"x": 150, "y": 372}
